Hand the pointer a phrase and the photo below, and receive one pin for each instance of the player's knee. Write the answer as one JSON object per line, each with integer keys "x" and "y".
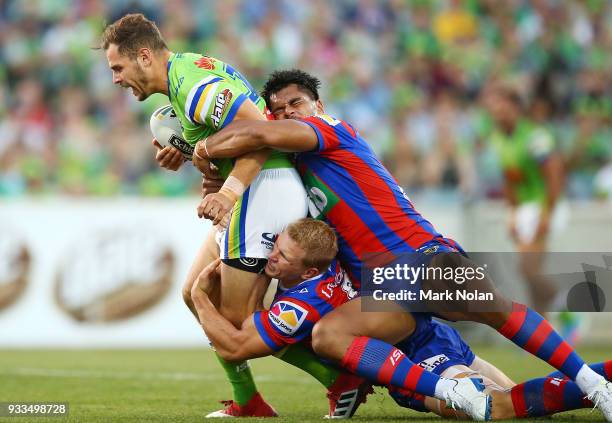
{"x": 323, "y": 337}
{"x": 318, "y": 339}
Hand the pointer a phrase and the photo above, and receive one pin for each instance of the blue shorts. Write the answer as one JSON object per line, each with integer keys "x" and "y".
{"x": 436, "y": 346}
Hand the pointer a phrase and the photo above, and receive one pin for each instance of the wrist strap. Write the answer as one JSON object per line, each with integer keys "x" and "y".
{"x": 195, "y": 150}
{"x": 229, "y": 194}
{"x": 232, "y": 188}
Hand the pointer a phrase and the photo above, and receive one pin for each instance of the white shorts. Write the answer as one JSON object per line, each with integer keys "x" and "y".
{"x": 528, "y": 219}
{"x": 274, "y": 199}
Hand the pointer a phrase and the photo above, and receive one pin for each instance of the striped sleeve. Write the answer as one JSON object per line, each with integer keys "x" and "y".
{"x": 268, "y": 335}
{"x": 287, "y": 322}
{"x": 324, "y": 126}
{"x": 213, "y": 102}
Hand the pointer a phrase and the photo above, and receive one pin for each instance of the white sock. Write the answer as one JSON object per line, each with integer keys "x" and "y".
{"x": 587, "y": 379}
{"x": 444, "y": 385}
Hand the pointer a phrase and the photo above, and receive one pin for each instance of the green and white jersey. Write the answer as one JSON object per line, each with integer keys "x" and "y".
{"x": 206, "y": 94}
{"x": 521, "y": 154}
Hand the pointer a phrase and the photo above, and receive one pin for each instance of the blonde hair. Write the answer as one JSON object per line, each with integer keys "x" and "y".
{"x": 131, "y": 33}
{"x": 317, "y": 239}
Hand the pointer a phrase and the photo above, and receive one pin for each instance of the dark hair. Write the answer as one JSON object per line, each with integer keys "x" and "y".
{"x": 131, "y": 33}
{"x": 283, "y": 78}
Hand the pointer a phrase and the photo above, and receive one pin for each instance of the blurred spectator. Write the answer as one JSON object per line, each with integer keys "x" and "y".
{"x": 407, "y": 73}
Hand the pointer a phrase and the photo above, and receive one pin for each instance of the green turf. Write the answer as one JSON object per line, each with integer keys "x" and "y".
{"x": 183, "y": 385}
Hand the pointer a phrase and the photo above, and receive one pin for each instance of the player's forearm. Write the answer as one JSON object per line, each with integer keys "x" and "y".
{"x": 224, "y": 336}
{"x": 239, "y": 138}
{"x": 248, "y": 166}
{"x": 242, "y": 136}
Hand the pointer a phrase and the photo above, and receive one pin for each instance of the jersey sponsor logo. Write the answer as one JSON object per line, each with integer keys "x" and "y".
{"x": 330, "y": 120}
{"x": 181, "y": 145}
{"x": 221, "y": 102}
{"x": 317, "y": 201}
{"x": 287, "y": 316}
{"x": 268, "y": 240}
{"x": 242, "y": 366}
{"x": 432, "y": 362}
{"x": 396, "y": 356}
{"x": 347, "y": 286}
{"x": 430, "y": 250}
{"x": 205, "y": 62}
{"x": 341, "y": 280}
{"x": 556, "y": 381}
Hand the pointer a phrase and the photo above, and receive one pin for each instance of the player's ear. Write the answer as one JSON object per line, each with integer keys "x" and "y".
{"x": 320, "y": 108}
{"x": 311, "y": 272}
{"x": 144, "y": 57}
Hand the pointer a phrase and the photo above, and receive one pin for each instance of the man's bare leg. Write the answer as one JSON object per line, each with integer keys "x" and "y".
{"x": 541, "y": 289}
{"x": 208, "y": 252}
{"x": 241, "y": 293}
{"x": 238, "y": 374}
{"x": 243, "y": 304}
{"x": 491, "y": 372}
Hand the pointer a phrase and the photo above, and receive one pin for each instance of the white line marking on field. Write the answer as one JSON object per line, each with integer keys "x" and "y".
{"x": 115, "y": 374}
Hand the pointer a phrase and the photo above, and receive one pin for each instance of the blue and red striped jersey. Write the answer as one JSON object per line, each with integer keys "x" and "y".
{"x": 351, "y": 189}
{"x": 294, "y": 311}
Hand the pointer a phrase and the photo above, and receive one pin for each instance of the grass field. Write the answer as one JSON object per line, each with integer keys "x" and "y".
{"x": 183, "y": 385}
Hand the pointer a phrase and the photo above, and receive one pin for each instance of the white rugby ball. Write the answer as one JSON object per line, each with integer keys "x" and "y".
{"x": 166, "y": 128}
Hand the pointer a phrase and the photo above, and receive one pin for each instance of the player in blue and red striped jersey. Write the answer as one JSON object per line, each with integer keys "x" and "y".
{"x": 309, "y": 288}
{"x": 305, "y": 294}
{"x": 351, "y": 189}
{"x": 312, "y": 284}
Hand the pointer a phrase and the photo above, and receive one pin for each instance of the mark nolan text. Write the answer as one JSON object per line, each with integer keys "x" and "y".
{"x": 429, "y": 295}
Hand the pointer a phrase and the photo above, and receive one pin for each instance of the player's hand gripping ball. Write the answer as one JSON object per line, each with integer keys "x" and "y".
{"x": 167, "y": 130}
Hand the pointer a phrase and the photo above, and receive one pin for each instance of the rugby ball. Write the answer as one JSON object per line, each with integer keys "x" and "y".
{"x": 167, "y": 130}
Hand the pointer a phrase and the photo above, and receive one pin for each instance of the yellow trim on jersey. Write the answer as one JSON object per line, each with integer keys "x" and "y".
{"x": 204, "y": 101}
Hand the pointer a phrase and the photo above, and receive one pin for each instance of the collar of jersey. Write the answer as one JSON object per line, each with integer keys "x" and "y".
{"x": 299, "y": 285}
{"x": 168, "y": 74}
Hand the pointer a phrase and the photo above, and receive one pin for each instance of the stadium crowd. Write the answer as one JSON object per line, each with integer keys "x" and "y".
{"x": 409, "y": 74}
